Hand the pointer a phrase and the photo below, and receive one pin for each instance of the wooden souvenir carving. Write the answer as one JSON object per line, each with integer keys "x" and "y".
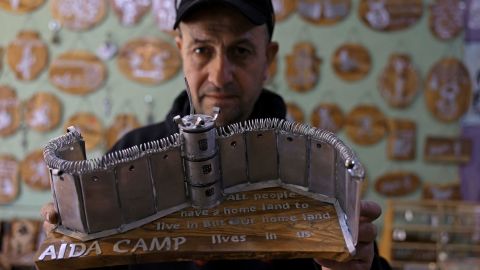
{"x": 401, "y": 139}
{"x": 442, "y": 192}
{"x": 448, "y": 90}
{"x": 303, "y": 67}
{"x": 21, "y": 6}
{"x": 294, "y": 113}
{"x": 77, "y": 72}
{"x": 9, "y": 183}
{"x": 446, "y": 18}
{"x": 90, "y": 126}
{"x": 148, "y": 60}
{"x": 398, "y": 183}
{"x": 9, "y": 111}
{"x": 444, "y": 149}
{"x": 78, "y": 15}
{"x": 43, "y": 111}
{"x": 27, "y": 55}
{"x": 34, "y": 171}
{"x": 399, "y": 81}
{"x": 390, "y": 15}
{"x": 283, "y": 8}
{"x": 122, "y": 124}
{"x": 351, "y": 62}
{"x": 130, "y": 12}
{"x": 22, "y": 241}
{"x": 365, "y": 125}
{"x": 328, "y": 116}
{"x": 323, "y": 12}
{"x": 164, "y": 12}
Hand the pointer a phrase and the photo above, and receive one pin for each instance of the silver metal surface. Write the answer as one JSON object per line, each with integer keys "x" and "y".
{"x": 206, "y": 196}
{"x": 199, "y": 145}
{"x": 233, "y": 160}
{"x": 321, "y": 176}
{"x": 293, "y": 158}
{"x": 262, "y": 154}
{"x": 201, "y": 173}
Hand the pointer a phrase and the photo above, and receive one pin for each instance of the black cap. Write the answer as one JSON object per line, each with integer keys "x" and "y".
{"x": 257, "y": 12}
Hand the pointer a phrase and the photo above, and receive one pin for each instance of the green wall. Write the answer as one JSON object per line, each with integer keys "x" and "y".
{"x": 128, "y": 96}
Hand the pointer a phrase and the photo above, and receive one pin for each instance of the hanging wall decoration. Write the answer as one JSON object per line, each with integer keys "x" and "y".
{"x": 283, "y": 8}
{"x": 448, "y": 90}
{"x": 398, "y": 183}
{"x": 27, "y": 55}
{"x": 34, "y": 171}
{"x": 43, "y": 111}
{"x": 77, "y": 72}
{"x": 21, "y": 6}
{"x": 390, "y": 15}
{"x": 164, "y": 12}
{"x": 9, "y": 183}
{"x": 90, "y": 127}
{"x": 294, "y": 113}
{"x": 351, "y": 62}
{"x": 324, "y": 12}
{"x": 10, "y": 112}
{"x": 446, "y": 149}
{"x": 401, "y": 139}
{"x": 148, "y": 60}
{"x": 328, "y": 116}
{"x": 22, "y": 240}
{"x": 446, "y": 18}
{"x": 442, "y": 192}
{"x": 78, "y": 15}
{"x": 130, "y": 12}
{"x": 365, "y": 125}
{"x": 122, "y": 124}
{"x": 303, "y": 67}
{"x": 399, "y": 82}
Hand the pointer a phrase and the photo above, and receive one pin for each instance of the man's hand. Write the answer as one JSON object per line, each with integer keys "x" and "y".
{"x": 50, "y": 218}
{"x": 367, "y": 232}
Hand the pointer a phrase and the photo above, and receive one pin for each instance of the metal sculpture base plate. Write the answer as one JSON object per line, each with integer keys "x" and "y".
{"x": 262, "y": 224}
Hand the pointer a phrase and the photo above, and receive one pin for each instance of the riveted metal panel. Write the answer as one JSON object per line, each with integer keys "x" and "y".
{"x": 135, "y": 190}
{"x": 262, "y": 155}
{"x": 322, "y": 168}
{"x": 233, "y": 159}
{"x": 292, "y": 156}
{"x": 168, "y": 178}
{"x": 201, "y": 145}
{"x": 101, "y": 198}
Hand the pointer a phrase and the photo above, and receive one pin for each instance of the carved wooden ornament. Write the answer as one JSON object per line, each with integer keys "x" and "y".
{"x": 283, "y": 8}
{"x": 446, "y": 18}
{"x": 402, "y": 143}
{"x": 43, "y": 111}
{"x": 149, "y": 61}
{"x": 21, "y": 6}
{"x": 9, "y": 182}
{"x": 10, "y": 111}
{"x": 130, "y": 12}
{"x": 398, "y": 183}
{"x": 328, "y": 116}
{"x": 390, "y": 15}
{"x": 399, "y": 82}
{"x": 122, "y": 124}
{"x": 303, "y": 67}
{"x": 294, "y": 113}
{"x": 90, "y": 126}
{"x": 78, "y": 15}
{"x": 27, "y": 55}
{"x": 22, "y": 241}
{"x": 34, "y": 171}
{"x": 445, "y": 149}
{"x": 448, "y": 90}
{"x": 448, "y": 191}
{"x": 351, "y": 62}
{"x": 365, "y": 125}
{"x": 164, "y": 12}
{"x": 324, "y": 12}
{"x": 77, "y": 72}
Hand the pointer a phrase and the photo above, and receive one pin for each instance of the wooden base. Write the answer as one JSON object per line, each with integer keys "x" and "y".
{"x": 263, "y": 224}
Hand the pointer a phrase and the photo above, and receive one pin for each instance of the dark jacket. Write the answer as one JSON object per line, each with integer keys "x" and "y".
{"x": 268, "y": 105}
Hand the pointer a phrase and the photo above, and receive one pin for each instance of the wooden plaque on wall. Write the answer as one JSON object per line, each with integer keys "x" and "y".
{"x": 10, "y": 111}
{"x": 328, "y": 116}
{"x": 446, "y": 19}
{"x": 129, "y": 13}
{"x": 295, "y": 113}
{"x": 34, "y": 171}
{"x": 444, "y": 149}
{"x": 390, "y": 15}
{"x": 365, "y": 125}
{"x": 9, "y": 182}
{"x": 78, "y": 15}
{"x": 89, "y": 126}
{"x": 402, "y": 141}
{"x": 164, "y": 13}
{"x": 27, "y": 55}
{"x": 21, "y": 241}
{"x": 283, "y": 8}
{"x": 303, "y": 67}
{"x": 43, "y": 111}
{"x": 444, "y": 192}
{"x": 21, "y": 6}
{"x": 398, "y": 183}
{"x": 323, "y": 12}
{"x": 351, "y": 62}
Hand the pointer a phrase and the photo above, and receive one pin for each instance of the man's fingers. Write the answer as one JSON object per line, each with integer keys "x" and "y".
{"x": 369, "y": 211}
{"x": 49, "y": 214}
{"x": 367, "y": 232}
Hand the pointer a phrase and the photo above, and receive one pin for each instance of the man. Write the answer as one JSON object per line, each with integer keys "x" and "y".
{"x": 226, "y": 49}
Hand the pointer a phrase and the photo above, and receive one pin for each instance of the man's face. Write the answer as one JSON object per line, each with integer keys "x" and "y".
{"x": 225, "y": 60}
